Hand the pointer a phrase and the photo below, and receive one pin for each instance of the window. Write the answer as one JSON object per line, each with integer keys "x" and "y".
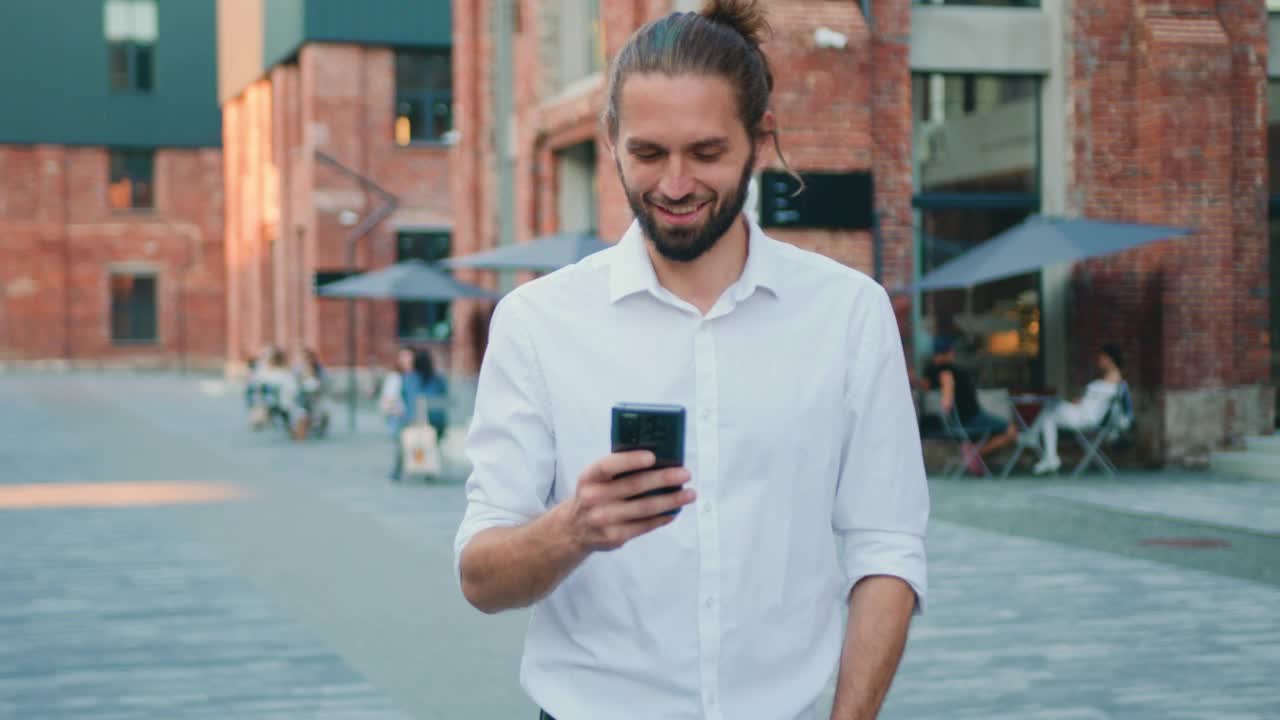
{"x": 133, "y": 308}
{"x": 423, "y": 320}
{"x": 579, "y": 54}
{"x": 130, "y": 182}
{"x": 424, "y": 96}
{"x": 976, "y": 166}
{"x": 982, "y": 3}
{"x": 131, "y": 29}
{"x": 577, "y": 204}
{"x": 324, "y": 277}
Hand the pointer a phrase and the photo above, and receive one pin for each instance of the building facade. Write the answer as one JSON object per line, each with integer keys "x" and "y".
{"x": 110, "y": 185}
{"x": 969, "y": 117}
{"x": 336, "y": 135}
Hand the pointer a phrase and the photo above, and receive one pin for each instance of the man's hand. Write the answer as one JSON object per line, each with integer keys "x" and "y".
{"x": 600, "y": 517}
{"x": 510, "y": 567}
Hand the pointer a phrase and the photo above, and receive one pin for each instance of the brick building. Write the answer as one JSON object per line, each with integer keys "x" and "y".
{"x": 336, "y": 120}
{"x": 970, "y": 117}
{"x": 110, "y": 185}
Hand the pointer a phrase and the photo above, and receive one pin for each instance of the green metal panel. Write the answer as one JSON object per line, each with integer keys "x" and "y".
{"x": 54, "y": 82}
{"x": 282, "y": 24}
{"x": 385, "y": 22}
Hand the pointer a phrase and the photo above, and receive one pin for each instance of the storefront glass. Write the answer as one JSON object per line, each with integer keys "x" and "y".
{"x": 976, "y": 151}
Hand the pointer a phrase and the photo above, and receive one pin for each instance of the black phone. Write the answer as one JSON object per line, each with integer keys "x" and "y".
{"x": 656, "y": 428}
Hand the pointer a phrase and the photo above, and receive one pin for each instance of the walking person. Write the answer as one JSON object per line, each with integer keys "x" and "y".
{"x": 414, "y": 378}
{"x": 800, "y": 426}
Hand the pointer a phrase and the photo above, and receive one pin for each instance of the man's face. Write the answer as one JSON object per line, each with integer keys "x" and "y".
{"x": 684, "y": 159}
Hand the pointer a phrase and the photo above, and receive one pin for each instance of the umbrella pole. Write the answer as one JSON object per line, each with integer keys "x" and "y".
{"x": 351, "y": 366}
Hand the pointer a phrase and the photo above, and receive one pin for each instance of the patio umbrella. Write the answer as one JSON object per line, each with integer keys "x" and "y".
{"x": 547, "y": 253}
{"x": 1037, "y": 242}
{"x": 406, "y": 280}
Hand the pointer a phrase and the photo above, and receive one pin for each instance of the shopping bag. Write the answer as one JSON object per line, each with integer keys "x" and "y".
{"x": 421, "y": 453}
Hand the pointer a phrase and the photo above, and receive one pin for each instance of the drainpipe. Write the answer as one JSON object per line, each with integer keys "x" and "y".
{"x": 66, "y": 257}
{"x": 359, "y": 232}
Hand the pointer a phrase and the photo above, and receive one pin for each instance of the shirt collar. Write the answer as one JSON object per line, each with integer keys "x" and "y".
{"x": 631, "y": 270}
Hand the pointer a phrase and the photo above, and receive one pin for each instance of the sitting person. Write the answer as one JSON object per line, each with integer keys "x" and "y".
{"x": 278, "y": 376}
{"x": 1085, "y": 412}
{"x": 957, "y": 390}
{"x": 314, "y": 382}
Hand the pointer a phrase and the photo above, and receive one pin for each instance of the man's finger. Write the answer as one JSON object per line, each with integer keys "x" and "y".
{"x": 645, "y": 481}
{"x": 617, "y": 463}
{"x": 640, "y": 509}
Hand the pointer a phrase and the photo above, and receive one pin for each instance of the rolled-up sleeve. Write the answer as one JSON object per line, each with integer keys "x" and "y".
{"x": 882, "y": 497}
{"x": 510, "y": 443}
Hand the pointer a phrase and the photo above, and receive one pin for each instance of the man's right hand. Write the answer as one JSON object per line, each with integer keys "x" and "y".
{"x": 600, "y": 516}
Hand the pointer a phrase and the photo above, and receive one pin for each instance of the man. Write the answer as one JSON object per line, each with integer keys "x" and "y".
{"x": 956, "y": 390}
{"x": 800, "y": 425}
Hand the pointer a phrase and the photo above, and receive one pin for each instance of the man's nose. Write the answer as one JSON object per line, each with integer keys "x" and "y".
{"x": 676, "y": 183}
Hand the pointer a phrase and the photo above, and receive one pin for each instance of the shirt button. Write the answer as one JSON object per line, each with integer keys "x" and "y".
{"x": 706, "y": 507}
{"x": 706, "y": 413}
{"x": 710, "y": 603}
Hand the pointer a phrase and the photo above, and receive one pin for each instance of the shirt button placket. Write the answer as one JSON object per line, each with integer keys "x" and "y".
{"x": 706, "y": 398}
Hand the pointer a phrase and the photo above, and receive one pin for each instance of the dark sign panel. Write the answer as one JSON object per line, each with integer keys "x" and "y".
{"x": 829, "y": 201}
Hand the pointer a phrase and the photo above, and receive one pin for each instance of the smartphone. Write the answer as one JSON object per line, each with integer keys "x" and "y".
{"x": 656, "y": 428}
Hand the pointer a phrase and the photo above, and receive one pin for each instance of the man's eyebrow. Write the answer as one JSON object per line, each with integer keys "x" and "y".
{"x": 716, "y": 143}
{"x": 711, "y": 143}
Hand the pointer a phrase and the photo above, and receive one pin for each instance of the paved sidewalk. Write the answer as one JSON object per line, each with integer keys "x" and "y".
{"x": 328, "y": 592}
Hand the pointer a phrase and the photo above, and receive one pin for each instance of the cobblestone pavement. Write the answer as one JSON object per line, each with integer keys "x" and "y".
{"x": 327, "y": 592}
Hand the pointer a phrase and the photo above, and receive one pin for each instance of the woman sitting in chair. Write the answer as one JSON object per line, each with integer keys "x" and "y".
{"x": 1085, "y": 412}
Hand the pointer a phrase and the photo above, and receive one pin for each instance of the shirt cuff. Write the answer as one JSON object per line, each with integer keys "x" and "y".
{"x": 480, "y": 517}
{"x": 879, "y": 552}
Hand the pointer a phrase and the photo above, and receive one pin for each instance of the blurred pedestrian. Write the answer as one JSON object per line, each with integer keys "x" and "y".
{"x": 415, "y": 384}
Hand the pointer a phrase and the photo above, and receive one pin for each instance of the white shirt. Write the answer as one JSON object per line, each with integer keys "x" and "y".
{"x": 800, "y": 425}
{"x": 1096, "y": 400}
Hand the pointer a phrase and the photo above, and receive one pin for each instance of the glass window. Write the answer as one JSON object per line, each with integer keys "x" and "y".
{"x": 133, "y": 308}
{"x": 424, "y": 96}
{"x": 423, "y": 320}
{"x": 982, "y": 3}
{"x": 131, "y": 180}
{"x": 976, "y": 173}
{"x": 131, "y": 28}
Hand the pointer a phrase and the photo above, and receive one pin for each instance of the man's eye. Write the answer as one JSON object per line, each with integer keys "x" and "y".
{"x": 649, "y": 155}
{"x": 707, "y": 156}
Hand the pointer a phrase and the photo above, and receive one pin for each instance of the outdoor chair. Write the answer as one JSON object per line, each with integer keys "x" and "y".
{"x": 948, "y": 428}
{"x": 1115, "y": 424}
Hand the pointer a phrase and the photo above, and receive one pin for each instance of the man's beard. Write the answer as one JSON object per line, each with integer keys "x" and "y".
{"x": 686, "y": 244}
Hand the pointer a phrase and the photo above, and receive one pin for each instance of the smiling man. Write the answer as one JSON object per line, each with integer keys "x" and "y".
{"x": 801, "y": 429}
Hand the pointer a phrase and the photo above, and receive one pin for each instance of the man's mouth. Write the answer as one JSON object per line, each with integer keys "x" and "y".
{"x": 680, "y": 214}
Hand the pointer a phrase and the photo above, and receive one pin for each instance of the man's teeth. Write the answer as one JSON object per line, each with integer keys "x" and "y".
{"x": 680, "y": 209}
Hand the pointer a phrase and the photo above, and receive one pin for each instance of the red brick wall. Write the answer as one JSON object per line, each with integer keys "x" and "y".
{"x": 59, "y": 239}
{"x": 1167, "y": 127}
{"x": 837, "y": 109}
{"x": 285, "y": 219}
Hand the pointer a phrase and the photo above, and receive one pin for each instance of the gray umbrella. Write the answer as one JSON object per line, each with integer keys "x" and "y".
{"x": 1039, "y": 241}
{"x": 547, "y": 253}
{"x": 406, "y": 280}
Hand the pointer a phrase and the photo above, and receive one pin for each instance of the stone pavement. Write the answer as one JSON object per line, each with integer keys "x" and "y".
{"x": 328, "y": 592}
